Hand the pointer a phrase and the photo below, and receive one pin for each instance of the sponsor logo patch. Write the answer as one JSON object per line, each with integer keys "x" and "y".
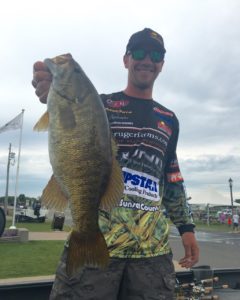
{"x": 117, "y": 103}
{"x": 136, "y": 136}
{"x": 174, "y": 177}
{"x": 162, "y": 126}
{"x": 118, "y": 111}
{"x": 138, "y": 206}
{"x": 141, "y": 184}
{"x": 162, "y": 112}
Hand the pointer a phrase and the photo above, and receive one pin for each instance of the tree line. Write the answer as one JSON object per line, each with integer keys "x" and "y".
{"x": 22, "y": 200}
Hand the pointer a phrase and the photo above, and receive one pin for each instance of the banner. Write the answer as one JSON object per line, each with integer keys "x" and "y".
{"x": 15, "y": 123}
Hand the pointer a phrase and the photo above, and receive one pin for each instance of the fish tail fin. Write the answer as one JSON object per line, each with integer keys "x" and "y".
{"x": 42, "y": 124}
{"x": 115, "y": 187}
{"x": 86, "y": 249}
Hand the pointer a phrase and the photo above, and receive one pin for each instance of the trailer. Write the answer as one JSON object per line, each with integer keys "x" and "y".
{"x": 29, "y": 215}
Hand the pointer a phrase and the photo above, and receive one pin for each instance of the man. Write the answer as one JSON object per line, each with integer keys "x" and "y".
{"x": 136, "y": 231}
{"x": 235, "y": 221}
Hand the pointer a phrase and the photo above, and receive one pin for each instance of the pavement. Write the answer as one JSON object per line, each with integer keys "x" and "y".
{"x": 27, "y": 280}
{"x": 48, "y": 236}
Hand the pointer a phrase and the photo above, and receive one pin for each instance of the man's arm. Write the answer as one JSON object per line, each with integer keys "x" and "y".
{"x": 175, "y": 201}
{"x": 176, "y": 204}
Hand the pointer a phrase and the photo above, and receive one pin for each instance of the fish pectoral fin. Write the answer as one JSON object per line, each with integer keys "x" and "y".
{"x": 42, "y": 124}
{"x": 115, "y": 187}
{"x": 53, "y": 196}
{"x": 86, "y": 249}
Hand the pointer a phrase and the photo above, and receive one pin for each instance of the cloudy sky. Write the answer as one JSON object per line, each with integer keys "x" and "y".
{"x": 200, "y": 80}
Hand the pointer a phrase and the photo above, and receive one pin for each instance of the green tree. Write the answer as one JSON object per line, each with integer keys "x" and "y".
{"x": 21, "y": 199}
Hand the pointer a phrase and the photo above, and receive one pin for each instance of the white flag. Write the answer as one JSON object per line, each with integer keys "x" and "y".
{"x": 13, "y": 124}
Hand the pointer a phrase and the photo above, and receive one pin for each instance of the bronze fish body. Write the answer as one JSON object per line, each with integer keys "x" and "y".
{"x": 82, "y": 155}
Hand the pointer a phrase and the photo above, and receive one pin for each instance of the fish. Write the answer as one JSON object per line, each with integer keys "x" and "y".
{"x": 82, "y": 153}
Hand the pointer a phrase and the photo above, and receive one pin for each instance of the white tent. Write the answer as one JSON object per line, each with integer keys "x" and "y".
{"x": 211, "y": 196}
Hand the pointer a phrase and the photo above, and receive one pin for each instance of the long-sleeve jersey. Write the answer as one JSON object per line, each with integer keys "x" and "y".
{"x": 146, "y": 134}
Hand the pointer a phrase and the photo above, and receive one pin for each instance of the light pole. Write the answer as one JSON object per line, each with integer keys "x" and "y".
{"x": 231, "y": 194}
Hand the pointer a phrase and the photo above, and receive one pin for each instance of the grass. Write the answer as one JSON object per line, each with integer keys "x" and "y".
{"x": 34, "y": 258}
{"x": 215, "y": 227}
{"x": 35, "y": 227}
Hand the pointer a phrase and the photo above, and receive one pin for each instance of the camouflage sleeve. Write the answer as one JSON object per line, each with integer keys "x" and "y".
{"x": 176, "y": 205}
{"x": 174, "y": 197}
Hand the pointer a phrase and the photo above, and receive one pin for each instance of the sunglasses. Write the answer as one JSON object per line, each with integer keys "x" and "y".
{"x": 139, "y": 54}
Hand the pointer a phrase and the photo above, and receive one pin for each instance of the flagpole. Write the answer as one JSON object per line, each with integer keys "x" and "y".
{"x": 7, "y": 181}
{"x": 17, "y": 175}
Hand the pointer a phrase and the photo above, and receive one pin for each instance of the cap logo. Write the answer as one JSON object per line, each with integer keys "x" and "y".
{"x": 155, "y": 36}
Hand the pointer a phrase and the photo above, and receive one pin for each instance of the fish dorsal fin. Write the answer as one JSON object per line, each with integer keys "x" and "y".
{"x": 53, "y": 196}
{"x": 42, "y": 124}
{"x": 115, "y": 187}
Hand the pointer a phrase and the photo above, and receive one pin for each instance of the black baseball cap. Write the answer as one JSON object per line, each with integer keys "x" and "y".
{"x": 146, "y": 36}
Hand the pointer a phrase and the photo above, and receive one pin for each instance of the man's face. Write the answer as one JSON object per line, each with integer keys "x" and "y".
{"x": 142, "y": 72}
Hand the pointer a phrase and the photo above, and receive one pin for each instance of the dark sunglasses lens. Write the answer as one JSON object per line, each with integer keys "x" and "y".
{"x": 156, "y": 56}
{"x": 138, "y": 54}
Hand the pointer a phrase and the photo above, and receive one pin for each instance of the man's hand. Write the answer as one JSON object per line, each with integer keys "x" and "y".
{"x": 191, "y": 250}
{"x": 42, "y": 79}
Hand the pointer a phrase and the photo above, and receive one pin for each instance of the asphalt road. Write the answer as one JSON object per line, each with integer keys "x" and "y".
{"x": 218, "y": 250}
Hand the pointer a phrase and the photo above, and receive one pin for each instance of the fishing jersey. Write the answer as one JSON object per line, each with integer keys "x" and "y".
{"x": 146, "y": 134}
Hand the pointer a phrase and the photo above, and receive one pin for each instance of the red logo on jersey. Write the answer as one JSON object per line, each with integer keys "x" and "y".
{"x": 174, "y": 177}
{"x": 160, "y": 111}
{"x": 117, "y": 103}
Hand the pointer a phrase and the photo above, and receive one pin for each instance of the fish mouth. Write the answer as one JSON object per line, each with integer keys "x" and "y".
{"x": 62, "y": 59}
